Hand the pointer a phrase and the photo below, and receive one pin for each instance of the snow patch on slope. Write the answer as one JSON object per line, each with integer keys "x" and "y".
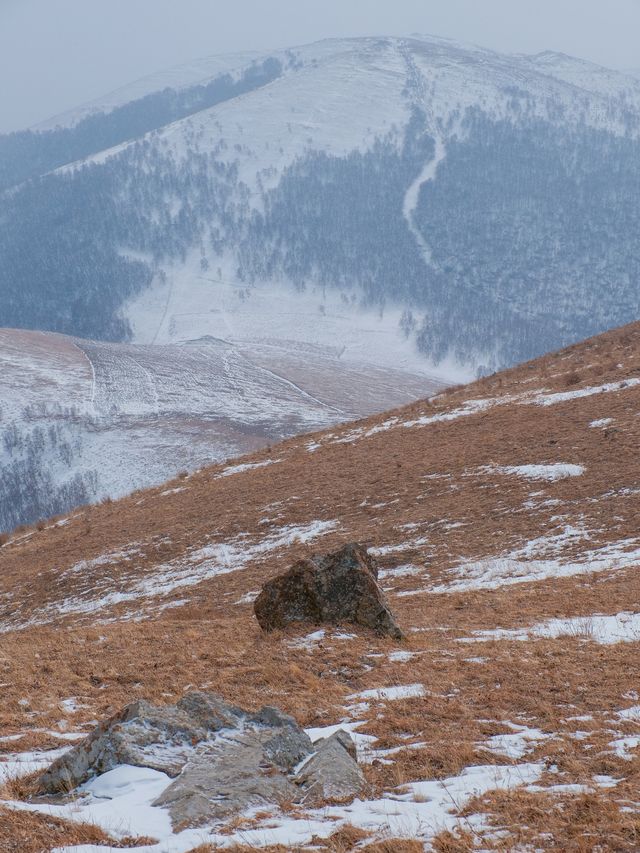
{"x": 565, "y": 396}
{"x": 120, "y": 803}
{"x": 517, "y": 567}
{"x": 230, "y": 470}
{"x": 605, "y": 630}
{"x": 219, "y": 558}
{"x": 556, "y": 471}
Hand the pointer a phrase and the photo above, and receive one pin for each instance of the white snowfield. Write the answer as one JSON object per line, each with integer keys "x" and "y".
{"x": 272, "y": 320}
{"x": 606, "y": 630}
{"x": 120, "y": 802}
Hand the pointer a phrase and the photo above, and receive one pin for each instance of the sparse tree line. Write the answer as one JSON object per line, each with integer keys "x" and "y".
{"x": 28, "y": 154}
{"x": 38, "y": 476}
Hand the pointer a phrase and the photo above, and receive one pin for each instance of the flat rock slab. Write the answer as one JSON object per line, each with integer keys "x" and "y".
{"x": 333, "y": 589}
{"x": 223, "y": 760}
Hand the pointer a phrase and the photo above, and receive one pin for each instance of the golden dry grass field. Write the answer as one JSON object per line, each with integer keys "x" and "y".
{"x": 504, "y": 516}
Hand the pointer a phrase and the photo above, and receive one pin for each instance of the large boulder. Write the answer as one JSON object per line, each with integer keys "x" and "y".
{"x": 142, "y": 735}
{"x": 222, "y": 759}
{"x": 332, "y": 589}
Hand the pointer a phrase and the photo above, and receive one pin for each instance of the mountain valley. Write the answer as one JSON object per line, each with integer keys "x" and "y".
{"x": 346, "y": 226}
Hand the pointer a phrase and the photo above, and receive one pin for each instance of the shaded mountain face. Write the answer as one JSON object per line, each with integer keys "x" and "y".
{"x": 487, "y": 204}
{"x": 503, "y": 517}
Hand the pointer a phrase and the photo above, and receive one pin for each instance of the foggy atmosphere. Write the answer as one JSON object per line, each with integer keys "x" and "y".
{"x": 55, "y": 55}
{"x": 319, "y": 394}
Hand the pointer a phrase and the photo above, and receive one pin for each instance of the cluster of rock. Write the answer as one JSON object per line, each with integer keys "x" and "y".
{"x": 223, "y": 760}
{"x": 332, "y": 589}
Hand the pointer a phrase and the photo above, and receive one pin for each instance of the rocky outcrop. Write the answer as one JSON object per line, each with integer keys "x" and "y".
{"x": 333, "y": 589}
{"x": 142, "y": 735}
{"x": 222, "y": 759}
{"x": 331, "y": 773}
{"x": 233, "y": 773}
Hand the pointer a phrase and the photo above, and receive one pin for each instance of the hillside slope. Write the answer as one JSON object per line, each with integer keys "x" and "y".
{"x": 485, "y": 204}
{"x": 82, "y": 420}
{"x": 504, "y": 518}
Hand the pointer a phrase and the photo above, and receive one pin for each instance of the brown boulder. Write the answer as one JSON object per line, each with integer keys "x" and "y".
{"x": 332, "y": 589}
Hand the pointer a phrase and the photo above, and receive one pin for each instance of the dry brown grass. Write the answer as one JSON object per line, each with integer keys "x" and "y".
{"x": 246, "y": 848}
{"x": 459, "y": 841}
{"x": 394, "y": 845}
{"x": 28, "y": 832}
{"x": 20, "y": 787}
{"x": 214, "y": 643}
{"x": 31, "y": 740}
{"x": 440, "y": 761}
{"x": 582, "y": 823}
{"x": 343, "y": 840}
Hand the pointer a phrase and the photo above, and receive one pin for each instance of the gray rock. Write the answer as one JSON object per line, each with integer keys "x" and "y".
{"x": 210, "y": 710}
{"x": 143, "y": 735}
{"x": 273, "y": 717}
{"x": 344, "y": 738}
{"x": 229, "y": 776}
{"x": 334, "y": 589}
{"x": 287, "y": 747}
{"x": 332, "y": 772}
{"x": 222, "y": 759}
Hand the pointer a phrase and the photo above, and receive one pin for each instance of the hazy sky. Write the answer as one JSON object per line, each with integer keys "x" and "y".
{"x": 56, "y": 54}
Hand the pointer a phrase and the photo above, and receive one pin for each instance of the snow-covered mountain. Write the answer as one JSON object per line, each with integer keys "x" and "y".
{"x": 487, "y": 201}
{"x": 82, "y": 420}
{"x": 361, "y": 216}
